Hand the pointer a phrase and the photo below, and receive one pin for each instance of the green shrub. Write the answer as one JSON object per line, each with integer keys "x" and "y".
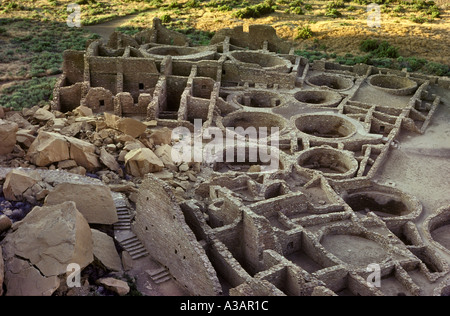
{"x": 382, "y": 62}
{"x": 336, "y": 4}
{"x": 81, "y": 2}
{"x": 192, "y": 4}
{"x": 155, "y": 3}
{"x": 334, "y": 13}
{"x": 174, "y": 5}
{"x": 419, "y": 5}
{"x": 376, "y": 59}
{"x": 298, "y": 10}
{"x": 418, "y": 19}
{"x": 311, "y": 55}
{"x": 28, "y": 94}
{"x": 379, "y": 49}
{"x": 228, "y": 4}
{"x": 434, "y": 11}
{"x": 369, "y": 45}
{"x": 224, "y": 8}
{"x": 411, "y": 63}
{"x": 437, "y": 69}
{"x": 129, "y": 30}
{"x": 166, "y": 18}
{"x": 399, "y": 9}
{"x": 256, "y": 11}
{"x": 197, "y": 37}
{"x": 304, "y": 32}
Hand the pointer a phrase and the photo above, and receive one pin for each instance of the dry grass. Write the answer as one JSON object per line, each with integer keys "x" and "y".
{"x": 339, "y": 35}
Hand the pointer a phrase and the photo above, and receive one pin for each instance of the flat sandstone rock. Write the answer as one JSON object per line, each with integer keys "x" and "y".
{"x": 93, "y": 201}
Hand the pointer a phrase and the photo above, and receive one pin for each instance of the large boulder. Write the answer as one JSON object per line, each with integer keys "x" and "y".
{"x": 25, "y": 137}
{"x": 105, "y": 251}
{"x": 83, "y": 111}
{"x": 50, "y": 147}
{"x": 161, "y": 136}
{"x": 95, "y": 202}
{"x": 169, "y": 157}
{"x": 128, "y": 126}
{"x": 43, "y": 115}
{"x": 108, "y": 160}
{"x": 8, "y": 132}
{"x": 17, "y": 182}
{"x": 142, "y": 161}
{"x": 83, "y": 153}
{"x": 120, "y": 287}
{"x": 42, "y": 246}
{"x": 23, "y": 279}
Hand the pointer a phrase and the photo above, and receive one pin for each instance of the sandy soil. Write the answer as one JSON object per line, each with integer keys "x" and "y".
{"x": 341, "y": 35}
{"x": 354, "y": 250}
{"x": 420, "y": 165}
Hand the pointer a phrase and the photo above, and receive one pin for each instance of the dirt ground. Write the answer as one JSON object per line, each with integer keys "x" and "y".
{"x": 420, "y": 165}
{"x": 340, "y": 35}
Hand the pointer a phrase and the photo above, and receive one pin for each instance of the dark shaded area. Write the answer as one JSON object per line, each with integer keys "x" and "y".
{"x": 364, "y": 204}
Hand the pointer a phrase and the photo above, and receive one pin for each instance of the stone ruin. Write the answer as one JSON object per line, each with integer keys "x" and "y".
{"x": 314, "y": 226}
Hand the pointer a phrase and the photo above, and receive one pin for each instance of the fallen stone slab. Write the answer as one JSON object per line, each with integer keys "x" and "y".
{"x": 105, "y": 250}
{"x": 95, "y": 202}
{"x": 23, "y": 279}
{"x": 51, "y": 147}
{"x": 128, "y": 126}
{"x": 8, "y": 131}
{"x": 42, "y": 246}
{"x": 142, "y": 161}
{"x": 117, "y": 286}
{"x": 17, "y": 182}
{"x": 108, "y": 160}
{"x": 43, "y": 115}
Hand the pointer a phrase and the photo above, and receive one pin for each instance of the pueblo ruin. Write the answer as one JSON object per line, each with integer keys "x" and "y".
{"x": 355, "y": 205}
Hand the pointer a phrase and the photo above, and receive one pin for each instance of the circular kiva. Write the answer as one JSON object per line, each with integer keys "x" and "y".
{"x": 319, "y": 98}
{"x": 254, "y": 124}
{"x": 333, "y": 163}
{"x": 266, "y": 61}
{"x": 385, "y": 201}
{"x": 333, "y": 82}
{"x": 180, "y": 53}
{"x": 358, "y": 250}
{"x": 325, "y": 126}
{"x": 437, "y": 227}
{"x": 393, "y": 84}
{"x": 258, "y": 99}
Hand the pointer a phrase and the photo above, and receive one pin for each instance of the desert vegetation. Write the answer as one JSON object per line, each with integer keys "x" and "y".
{"x": 34, "y": 34}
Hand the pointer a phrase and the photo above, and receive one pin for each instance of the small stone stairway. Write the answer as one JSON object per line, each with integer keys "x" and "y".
{"x": 123, "y": 233}
{"x": 159, "y": 275}
{"x": 134, "y": 247}
{"x": 124, "y": 216}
